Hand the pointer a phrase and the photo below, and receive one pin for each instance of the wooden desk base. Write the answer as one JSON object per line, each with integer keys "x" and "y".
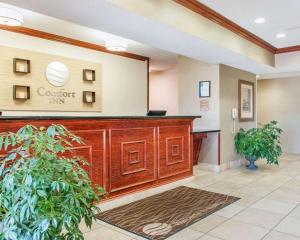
{"x": 127, "y": 155}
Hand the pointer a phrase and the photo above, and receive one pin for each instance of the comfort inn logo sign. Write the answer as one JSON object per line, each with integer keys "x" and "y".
{"x": 57, "y": 74}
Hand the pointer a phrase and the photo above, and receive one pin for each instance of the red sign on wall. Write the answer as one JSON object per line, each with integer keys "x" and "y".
{"x": 204, "y": 105}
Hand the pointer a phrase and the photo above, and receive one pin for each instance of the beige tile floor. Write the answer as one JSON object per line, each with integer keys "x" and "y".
{"x": 269, "y": 208}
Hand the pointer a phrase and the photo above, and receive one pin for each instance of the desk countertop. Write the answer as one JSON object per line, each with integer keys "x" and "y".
{"x": 205, "y": 131}
{"x": 92, "y": 117}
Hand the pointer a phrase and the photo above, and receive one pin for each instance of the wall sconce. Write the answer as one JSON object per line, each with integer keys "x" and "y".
{"x": 21, "y": 65}
{"x": 89, "y": 75}
{"x": 89, "y": 97}
{"x": 21, "y": 92}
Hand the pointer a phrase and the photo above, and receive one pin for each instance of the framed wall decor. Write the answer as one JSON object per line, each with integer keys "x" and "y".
{"x": 246, "y": 101}
{"x": 89, "y": 75}
{"x": 21, "y": 65}
{"x": 21, "y": 92}
{"x": 204, "y": 89}
{"x": 89, "y": 97}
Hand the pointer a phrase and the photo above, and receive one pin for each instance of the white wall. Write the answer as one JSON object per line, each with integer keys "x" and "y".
{"x": 124, "y": 80}
{"x": 190, "y": 72}
{"x": 279, "y": 99}
{"x": 163, "y": 91}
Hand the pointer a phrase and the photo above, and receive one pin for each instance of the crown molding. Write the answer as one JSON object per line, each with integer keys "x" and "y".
{"x": 70, "y": 41}
{"x": 288, "y": 49}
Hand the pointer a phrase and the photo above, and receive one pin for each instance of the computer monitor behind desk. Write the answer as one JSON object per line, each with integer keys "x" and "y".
{"x": 154, "y": 113}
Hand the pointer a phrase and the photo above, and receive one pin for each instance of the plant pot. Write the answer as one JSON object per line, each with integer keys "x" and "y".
{"x": 251, "y": 160}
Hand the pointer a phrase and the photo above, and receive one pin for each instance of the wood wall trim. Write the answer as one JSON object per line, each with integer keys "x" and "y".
{"x": 214, "y": 16}
{"x": 71, "y": 41}
{"x": 288, "y": 49}
{"x": 148, "y": 85}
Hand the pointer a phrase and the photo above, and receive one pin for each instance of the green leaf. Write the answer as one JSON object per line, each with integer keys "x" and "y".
{"x": 1, "y": 142}
{"x": 51, "y": 131}
{"x": 41, "y": 193}
{"x": 6, "y": 143}
{"x": 54, "y": 223}
{"x": 28, "y": 180}
{"x": 44, "y": 225}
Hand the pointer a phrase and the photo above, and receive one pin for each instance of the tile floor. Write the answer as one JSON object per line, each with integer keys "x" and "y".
{"x": 269, "y": 208}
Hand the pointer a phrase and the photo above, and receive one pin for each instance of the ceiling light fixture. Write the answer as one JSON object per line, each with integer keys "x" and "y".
{"x": 10, "y": 17}
{"x": 280, "y": 35}
{"x": 116, "y": 45}
{"x": 260, "y": 20}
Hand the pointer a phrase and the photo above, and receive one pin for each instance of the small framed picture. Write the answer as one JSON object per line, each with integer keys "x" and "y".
{"x": 204, "y": 89}
{"x": 246, "y": 101}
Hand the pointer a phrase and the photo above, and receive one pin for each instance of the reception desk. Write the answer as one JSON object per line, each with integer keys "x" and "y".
{"x": 126, "y": 153}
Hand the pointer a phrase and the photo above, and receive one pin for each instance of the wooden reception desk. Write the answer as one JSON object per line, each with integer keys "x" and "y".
{"x": 126, "y": 153}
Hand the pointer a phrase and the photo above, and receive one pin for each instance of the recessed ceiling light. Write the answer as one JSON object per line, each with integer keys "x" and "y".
{"x": 260, "y": 20}
{"x": 10, "y": 17}
{"x": 280, "y": 35}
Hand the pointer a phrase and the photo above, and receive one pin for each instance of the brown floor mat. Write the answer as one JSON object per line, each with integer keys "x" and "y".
{"x": 162, "y": 215}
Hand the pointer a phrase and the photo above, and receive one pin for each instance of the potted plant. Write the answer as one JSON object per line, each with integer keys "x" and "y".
{"x": 258, "y": 143}
{"x": 45, "y": 193}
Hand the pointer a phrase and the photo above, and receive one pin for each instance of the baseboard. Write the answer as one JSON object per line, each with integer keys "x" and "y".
{"x": 222, "y": 167}
{"x": 209, "y": 167}
{"x": 237, "y": 163}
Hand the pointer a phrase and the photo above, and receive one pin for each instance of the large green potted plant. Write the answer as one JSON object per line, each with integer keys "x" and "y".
{"x": 45, "y": 193}
{"x": 258, "y": 143}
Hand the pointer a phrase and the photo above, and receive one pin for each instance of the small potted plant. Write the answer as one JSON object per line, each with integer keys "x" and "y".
{"x": 45, "y": 192}
{"x": 258, "y": 143}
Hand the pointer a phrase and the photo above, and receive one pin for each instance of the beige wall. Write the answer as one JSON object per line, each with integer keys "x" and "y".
{"x": 124, "y": 80}
{"x": 279, "y": 99}
{"x": 163, "y": 91}
{"x": 229, "y": 99}
{"x": 190, "y": 72}
{"x": 177, "y": 90}
{"x": 224, "y": 97}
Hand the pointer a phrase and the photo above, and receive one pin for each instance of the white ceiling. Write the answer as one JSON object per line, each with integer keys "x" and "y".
{"x": 281, "y": 16}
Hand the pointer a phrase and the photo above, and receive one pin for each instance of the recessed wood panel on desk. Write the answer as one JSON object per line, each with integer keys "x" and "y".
{"x": 94, "y": 152}
{"x": 174, "y": 155}
{"x": 132, "y": 157}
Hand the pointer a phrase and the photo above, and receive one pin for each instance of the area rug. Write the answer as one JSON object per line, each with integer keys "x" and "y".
{"x": 162, "y": 215}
